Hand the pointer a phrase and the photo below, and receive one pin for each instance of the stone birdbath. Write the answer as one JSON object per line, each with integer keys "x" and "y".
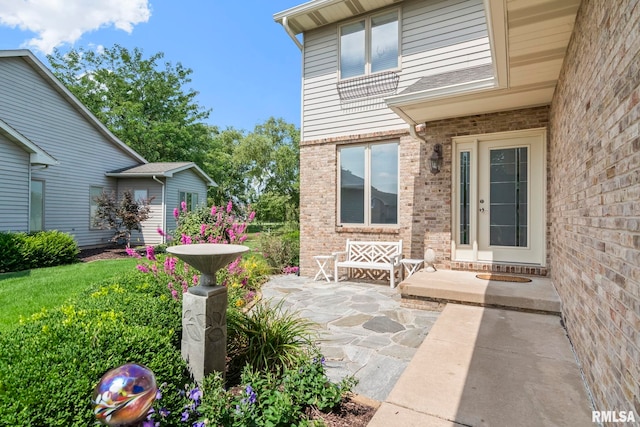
{"x": 204, "y": 307}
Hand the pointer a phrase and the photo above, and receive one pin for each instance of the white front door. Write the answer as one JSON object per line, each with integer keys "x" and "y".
{"x": 499, "y": 198}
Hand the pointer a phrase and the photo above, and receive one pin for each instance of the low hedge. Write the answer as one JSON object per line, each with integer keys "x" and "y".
{"x": 50, "y": 364}
{"x": 22, "y": 251}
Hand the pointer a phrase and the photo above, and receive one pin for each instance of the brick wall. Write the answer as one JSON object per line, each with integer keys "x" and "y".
{"x": 594, "y": 160}
{"x": 425, "y": 199}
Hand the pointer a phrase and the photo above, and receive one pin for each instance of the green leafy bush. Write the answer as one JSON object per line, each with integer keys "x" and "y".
{"x": 265, "y": 399}
{"x": 42, "y": 249}
{"x": 49, "y": 248}
{"x": 10, "y": 248}
{"x": 50, "y": 364}
{"x": 281, "y": 250}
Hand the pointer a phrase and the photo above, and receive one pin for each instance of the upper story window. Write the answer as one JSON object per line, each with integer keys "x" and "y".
{"x": 369, "y": 46}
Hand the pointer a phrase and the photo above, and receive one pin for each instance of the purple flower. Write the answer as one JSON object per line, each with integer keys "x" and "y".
{"x": 252, "y": 215}
{"x": 132, "y": 253}
{"x": 176, "y": 213}
{"x": 195, "y": 279}
{"x": 199, "y": 424}
{"x": 164, "y": 412}
{"x": 158, "y": 395}
{"x": 183, "y": 205}
{"x": 142, "y": 268}
{"x": 185, "y": 240}
{"x": 213, "y": 211}
{"x": 161, "y": 231}
{"x": 195, "y": 394}
{"x": 203, "y": 228}
{"x": 150, "y": 423}
{"x": 229, "y": 206}
{"x": 151, "y": 255}
{"x": 185, "y": 416}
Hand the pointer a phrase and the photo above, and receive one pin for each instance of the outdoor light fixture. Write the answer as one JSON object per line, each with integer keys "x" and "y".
{"x": 435, "y": 161}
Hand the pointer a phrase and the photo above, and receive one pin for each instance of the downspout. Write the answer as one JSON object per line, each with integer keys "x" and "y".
{"x": 164, "y": 210}
{"x": 285, "y": 24}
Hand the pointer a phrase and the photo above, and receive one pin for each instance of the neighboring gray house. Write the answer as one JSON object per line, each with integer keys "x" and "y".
{"x": 56, "y": 156}
{"x": 530, "y": 110}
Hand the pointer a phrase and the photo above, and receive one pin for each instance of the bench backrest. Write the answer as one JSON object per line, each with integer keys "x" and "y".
{"x": 372, "y": 251}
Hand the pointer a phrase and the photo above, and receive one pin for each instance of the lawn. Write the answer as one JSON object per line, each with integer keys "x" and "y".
{"x": 26, "y": 292}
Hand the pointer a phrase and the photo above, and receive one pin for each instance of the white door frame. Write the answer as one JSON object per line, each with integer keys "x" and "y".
{"x": 473, "y": 249}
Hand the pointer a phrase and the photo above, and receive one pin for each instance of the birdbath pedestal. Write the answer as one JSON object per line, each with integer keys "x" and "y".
{"x": 204, "y": 307}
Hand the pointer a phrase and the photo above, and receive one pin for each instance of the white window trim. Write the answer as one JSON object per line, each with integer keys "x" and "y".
{"x": 186, "y": 193}
{"x": 44, "y": 190}
{"x": 367, "y": 43}
{"x": 367, "y": 187}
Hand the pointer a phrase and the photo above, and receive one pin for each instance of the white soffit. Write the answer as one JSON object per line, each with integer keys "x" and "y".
{"x": 528, "y": 40}
{"x": 317, "y": 13}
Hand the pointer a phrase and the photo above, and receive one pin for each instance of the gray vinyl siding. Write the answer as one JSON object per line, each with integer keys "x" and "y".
{"x": 14, "y": 186}
{"x": 149, "y": 234}
{"x": 188, "y": 181}
{"x": 29, "y": 104}
{"x": 437, "y": 36}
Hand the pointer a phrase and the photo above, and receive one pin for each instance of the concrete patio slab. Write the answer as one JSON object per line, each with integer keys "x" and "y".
{"x": 489, "y": 367}
{"x": 464, "y": 287}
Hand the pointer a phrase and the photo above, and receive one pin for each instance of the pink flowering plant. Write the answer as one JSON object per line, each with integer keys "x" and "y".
{"x": 205, "y": 225}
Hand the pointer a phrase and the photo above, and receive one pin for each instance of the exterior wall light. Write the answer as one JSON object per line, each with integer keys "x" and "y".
{"x": 435, "y": 161}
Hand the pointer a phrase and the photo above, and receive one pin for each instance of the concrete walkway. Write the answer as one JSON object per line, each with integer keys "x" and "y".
{"x": 489, "y": 367}
{"x": 362, "y": 329}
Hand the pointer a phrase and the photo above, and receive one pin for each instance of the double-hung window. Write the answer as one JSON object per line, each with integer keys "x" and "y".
{"x": 369, "y": 45}
{"x": 368, "y": 184}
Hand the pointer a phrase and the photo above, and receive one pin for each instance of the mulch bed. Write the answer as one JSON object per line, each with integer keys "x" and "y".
{"x": 107, "y": 252}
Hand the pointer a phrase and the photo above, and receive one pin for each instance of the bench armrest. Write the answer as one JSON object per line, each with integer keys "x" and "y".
{"x": 336, "y": 255}
{"x": 395, "y": 259}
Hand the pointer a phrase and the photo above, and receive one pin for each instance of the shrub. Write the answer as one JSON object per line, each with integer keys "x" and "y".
{"x": 10, "y": 248}
{"x": 217, "y": 224}
{"x": 265, "y": 399}
{"x": 281, "y": 250}
{"x": 50, "y": 364}
{"x": 22, "y": 251}
{"x": 243, "y": 278}
{"x": 267, "y": 338}
{"x": 49, "y": 248}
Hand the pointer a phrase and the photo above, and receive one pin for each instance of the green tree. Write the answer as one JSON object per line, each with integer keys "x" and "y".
{"x": 270, "y": 156}
{"x": 142, "y": 100}
{"x": 222, "y": 165}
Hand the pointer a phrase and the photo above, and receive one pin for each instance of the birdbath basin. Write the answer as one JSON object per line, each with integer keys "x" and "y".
{"x": 208, "y": 258}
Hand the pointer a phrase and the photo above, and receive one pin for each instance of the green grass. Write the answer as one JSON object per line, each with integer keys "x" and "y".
{"x": 26, "y": 292}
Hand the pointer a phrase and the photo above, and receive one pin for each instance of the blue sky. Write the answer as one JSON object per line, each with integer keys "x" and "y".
{"x": 245, "y": 66}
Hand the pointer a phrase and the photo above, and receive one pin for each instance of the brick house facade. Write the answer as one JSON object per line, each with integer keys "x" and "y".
{"x": 592, "y": 186}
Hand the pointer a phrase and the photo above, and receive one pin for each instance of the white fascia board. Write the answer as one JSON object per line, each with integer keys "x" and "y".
{"x": 304, "y": 8}
{"x": 37, "y": 156}
{"x": 441, "y": 92}
{"x": 496, "y": 13}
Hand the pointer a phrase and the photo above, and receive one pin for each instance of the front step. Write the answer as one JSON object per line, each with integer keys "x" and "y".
{"x": 428, "y": 290}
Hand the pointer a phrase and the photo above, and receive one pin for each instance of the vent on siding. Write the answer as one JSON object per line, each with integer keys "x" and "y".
{"x": 368, "y": 86}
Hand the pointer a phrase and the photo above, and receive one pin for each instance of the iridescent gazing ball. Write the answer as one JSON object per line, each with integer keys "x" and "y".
{"x": 124, "y": 395}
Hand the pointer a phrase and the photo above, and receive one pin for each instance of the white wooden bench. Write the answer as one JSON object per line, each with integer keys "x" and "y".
{"x": 371, "y": 255}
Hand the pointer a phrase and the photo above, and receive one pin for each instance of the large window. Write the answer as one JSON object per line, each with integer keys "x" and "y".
{"x": 191, "y": 199}
{"x": 36, "y": 212}
{"x": 368, "y": 184}
{"x": 369, "y": 45}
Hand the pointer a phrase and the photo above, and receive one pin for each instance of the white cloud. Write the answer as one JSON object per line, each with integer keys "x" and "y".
{"x": 64, "y": 21}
